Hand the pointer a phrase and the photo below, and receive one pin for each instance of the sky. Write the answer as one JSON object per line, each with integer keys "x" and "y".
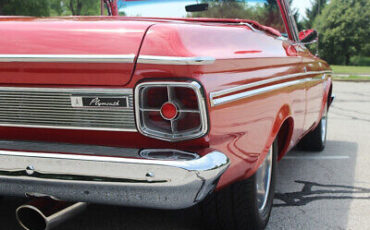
{"x": 301, "y": 5}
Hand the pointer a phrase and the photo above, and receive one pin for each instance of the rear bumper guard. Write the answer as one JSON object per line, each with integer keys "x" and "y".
{"x": 163, "y": 183}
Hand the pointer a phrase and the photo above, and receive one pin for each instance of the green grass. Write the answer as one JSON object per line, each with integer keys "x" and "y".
{"x": 340, "y": 69}
{"x": 351, "y": 78}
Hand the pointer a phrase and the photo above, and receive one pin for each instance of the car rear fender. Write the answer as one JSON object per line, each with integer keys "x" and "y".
{"x": 283, "y": 130}
{"x": 326, "y": 100}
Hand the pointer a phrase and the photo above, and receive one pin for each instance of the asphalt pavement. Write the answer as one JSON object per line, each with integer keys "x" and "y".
{"x": 327, "y": 190}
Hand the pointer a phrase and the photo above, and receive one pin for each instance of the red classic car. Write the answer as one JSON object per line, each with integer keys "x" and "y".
{"x": 174, "y": 104}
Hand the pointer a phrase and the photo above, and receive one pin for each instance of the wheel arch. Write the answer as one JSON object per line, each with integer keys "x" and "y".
{"x": 284, "y": 137}
{"x": 328, "y": 90}
{"x": 330, "y": 94}
{"x": 282, "y": 130}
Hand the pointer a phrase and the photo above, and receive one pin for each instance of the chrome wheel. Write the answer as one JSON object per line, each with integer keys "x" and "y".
{"x": 324, "y": 124}
{"x": 315, "y": 140}
{"x": 263, "y": 181}
{"x": 245, "y": 204}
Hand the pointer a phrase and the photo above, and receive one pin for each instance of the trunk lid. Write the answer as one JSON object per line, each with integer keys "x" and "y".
{"x": 69, "y": 51}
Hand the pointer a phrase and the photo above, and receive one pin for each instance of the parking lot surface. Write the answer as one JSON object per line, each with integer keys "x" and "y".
{"x": 327, "y": 190}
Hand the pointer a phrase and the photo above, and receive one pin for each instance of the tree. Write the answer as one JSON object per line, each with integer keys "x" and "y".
{"x": 56, "y": 7}
{"x": 267, "y": 13}
{"x": 315, "y": 10}
{"x": 75, "y": 7}
{"x": 344, "y": 26}
{"x": 44, "y": 8}
{"x": 83, "y": 7}
{"x": 39, "y": 8}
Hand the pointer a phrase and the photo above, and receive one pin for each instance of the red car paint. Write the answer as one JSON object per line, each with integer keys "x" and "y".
{"x": 79, "y": 36}
{"x": 244, "y": 129}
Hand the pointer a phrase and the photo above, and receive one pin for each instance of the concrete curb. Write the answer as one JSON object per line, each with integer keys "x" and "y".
{"x": 350, "y": 74}
{"x": 359, "y": 81}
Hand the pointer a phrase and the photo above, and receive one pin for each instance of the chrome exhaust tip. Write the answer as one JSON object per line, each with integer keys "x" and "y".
{"x": 46, "y": 213}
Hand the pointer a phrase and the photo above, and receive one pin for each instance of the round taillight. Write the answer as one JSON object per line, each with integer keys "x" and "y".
{"x": 169, "y": 111}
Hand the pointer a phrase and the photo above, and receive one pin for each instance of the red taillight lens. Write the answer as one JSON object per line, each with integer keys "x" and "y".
{"x": 153, "y": 120}
{"x": 186, "y": 97}
{"x": 154, "y": 97}
{"x": 189, "y": 121}
{"x": 170, "y": 111}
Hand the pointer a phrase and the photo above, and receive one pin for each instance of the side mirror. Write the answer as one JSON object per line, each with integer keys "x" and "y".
{"x": 308, "y": 36}
{"x": 197, "y": 7}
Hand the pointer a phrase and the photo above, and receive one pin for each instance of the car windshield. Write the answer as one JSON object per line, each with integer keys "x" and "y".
{"x": 265, "y": 12}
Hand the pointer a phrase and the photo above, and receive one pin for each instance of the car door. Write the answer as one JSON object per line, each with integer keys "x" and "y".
{"x": 314, "y": 87}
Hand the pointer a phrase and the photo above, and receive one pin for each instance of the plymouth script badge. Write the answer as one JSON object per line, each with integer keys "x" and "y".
{"x": 99, "y": 101}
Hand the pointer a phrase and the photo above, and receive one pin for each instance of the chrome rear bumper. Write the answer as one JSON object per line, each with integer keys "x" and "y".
{"x": 161, "y": 183}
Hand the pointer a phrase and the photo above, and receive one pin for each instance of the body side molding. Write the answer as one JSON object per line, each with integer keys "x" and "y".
{"x": 68, "y": 58}
{"x": 227, "y": 96}
{"x": 168, "y": 60}
{"x": 92, "y": 58}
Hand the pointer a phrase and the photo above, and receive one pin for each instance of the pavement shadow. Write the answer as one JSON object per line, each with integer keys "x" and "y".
{"x": 104, "y": 217}
{"x": 314, "y": 192}
{"x": 309, "y": 181}
{"x": 121, "y": 218}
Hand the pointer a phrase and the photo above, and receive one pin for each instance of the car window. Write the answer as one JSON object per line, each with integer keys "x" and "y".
{"x": 266, "y": 12}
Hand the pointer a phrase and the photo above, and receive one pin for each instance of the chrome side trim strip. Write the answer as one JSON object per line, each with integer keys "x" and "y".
{"x": 68, "y": 58}
{"x": 67, "y": 127}
{"x": 243, "y": 95}
{"x": 168, "y": 60}
{"x": 67, "y": 90}
{"x": 263, "y": 82}
{"x": 129, "y": 58}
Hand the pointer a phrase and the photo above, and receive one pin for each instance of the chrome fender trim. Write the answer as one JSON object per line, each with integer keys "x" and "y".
{"x": 108, "y": 58}
{"x": 168, "y": 60}
{"x": 226, "y": 96}
{"x": 68, "y": 58}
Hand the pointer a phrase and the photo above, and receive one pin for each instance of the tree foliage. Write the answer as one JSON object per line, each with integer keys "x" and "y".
{"x": 315, "y": 10}
{"x": 84, "y": 7}
{"x": 344, "y": 26}
{"x": 266, "y": 14}
{"x": 75, "y": 7}
{"x": 39, "y": 8}
{"x": 44, "y": 8}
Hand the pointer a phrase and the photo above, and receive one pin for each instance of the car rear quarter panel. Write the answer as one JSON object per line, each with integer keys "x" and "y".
{"x": 243, "y": 129}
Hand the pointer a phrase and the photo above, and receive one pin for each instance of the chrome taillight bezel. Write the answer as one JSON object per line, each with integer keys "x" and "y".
{"x": 174, "y": 137}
